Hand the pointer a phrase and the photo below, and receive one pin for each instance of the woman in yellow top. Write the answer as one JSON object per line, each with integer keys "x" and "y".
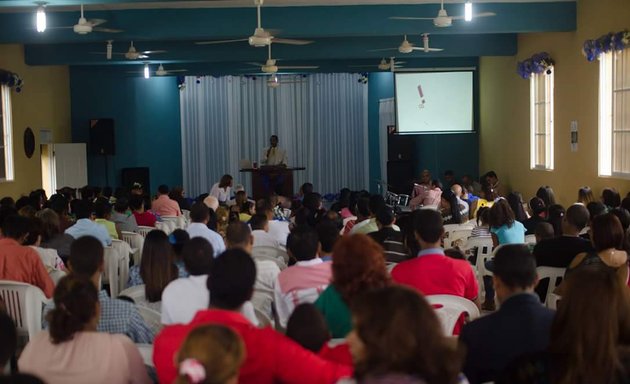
{"x": 103, "y": 212}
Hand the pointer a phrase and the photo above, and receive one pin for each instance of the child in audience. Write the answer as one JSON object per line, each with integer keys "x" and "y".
{"x": 71, "y": 351}
{"x": 503, "y": 226}
{"x": 483, "y": 223}
{"x": 544, "y": 231}
{"x": 210, "y": 354}
{"x": 397, "y": 338}
{"x": 585, "y": 195}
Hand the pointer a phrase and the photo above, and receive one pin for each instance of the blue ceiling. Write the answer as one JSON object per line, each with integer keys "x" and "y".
{"x": 342, "y": 35}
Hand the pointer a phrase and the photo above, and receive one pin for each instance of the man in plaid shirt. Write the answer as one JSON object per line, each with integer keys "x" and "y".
{"x": 117, "y": 316}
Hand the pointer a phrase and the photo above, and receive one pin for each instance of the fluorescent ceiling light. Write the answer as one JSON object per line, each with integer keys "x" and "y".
{"x": 41, "y": 19}
{"x": 468, "y": 11}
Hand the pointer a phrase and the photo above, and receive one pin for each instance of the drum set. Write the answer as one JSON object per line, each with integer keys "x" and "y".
{"x": 396, "y": 200}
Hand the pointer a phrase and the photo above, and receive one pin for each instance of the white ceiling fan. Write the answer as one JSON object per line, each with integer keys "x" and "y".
{"x": 383, "y": 65}
{"x": 160, "y": 71}
{"x": 131, "y": 54}
{"x": 260, "y": 38}
{"x": 443, "y": 19}
{"x": 270, "y": 65}
{"x": 407, "y": 47}
{"x": 85, "y": 26}
{"x": 274, "y": 81}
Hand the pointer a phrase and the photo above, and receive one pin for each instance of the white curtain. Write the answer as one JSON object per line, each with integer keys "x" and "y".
{"x": 386, "y": 116}
{"x": 321, "y": 121}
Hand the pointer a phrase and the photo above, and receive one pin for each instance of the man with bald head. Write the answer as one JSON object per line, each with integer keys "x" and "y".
{"x": 457, "y": 191}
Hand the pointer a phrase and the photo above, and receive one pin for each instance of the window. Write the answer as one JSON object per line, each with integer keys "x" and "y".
{"x": 614, "y": 114}
{"x": 541, "y": 120}
{"x": 6, "y": 141}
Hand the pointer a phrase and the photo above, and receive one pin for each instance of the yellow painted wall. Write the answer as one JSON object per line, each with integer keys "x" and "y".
{"x": 504, "y": 107}
{"x": 44, "y": 103}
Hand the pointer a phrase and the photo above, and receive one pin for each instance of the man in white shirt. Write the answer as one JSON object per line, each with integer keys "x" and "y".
{"x": 279, "y": 230}
{"x": 260, "y": 231}
{"x": 274, "y": 155}
{"x": 199, "y": 216}
{"x": 182, "y": 298}
{"x": 238, "y": 235}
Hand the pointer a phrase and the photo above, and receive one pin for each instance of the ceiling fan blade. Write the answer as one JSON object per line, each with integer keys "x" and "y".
{"x": 435, "y": 49}
{"x": 276, "y": 40}
{"x": 96, "y": 22}
{"x": 152, "y": 52}
{"x": 298, "y": 66}
{"x": 105, "y": 53}
{"x": 70, "y": 27}
{"x": 219, "y": 41}
{"x": 410, "y": 18}
{"x": 143, "y": 57}
{"x": 176, "y": 70}
{"x": 364, "y": 66}
{"x": 383, "y": 49}
{"x": 482, "y": 14}
{"x": 107, "y": 30}
{"x": 427, "y": 50}
{"x": 255, "y": 64}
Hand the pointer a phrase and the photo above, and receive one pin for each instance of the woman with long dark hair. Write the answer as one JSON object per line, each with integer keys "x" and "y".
{"x": 223, "y": 189}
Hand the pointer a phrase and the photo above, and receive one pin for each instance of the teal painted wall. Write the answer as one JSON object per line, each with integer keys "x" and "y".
{"x": 437, "y": 153}
{"x": 147, "y": 120}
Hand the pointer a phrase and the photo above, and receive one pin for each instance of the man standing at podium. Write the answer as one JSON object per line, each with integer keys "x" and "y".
{"x": 274, "y": 155}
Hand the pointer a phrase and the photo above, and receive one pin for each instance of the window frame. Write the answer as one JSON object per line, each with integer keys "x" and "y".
{"x": 606, "y": 115}
{"x": 7, "y": 132}
{"x": 548, "y": 131}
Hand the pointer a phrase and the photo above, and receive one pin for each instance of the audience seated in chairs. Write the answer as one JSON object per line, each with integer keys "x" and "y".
{"x": 19, "y": 262}
{"x": 328, "y": 234}
{"x": 239, "y": 236}
{"x": 278, "y": 229}
{"x": 607, "y": 238}
{"x": 8, "y": 349}
{"x": 390, "y": 239}
{"x": 519, "y": 327}
{"x": 538, "y": 214}
{"x": 199, "y": 217}
{"x": 71, "y": 351}
{"x": 157, "y": 268}
{"x": 178, "y": 238}
{"x": 52, "y": 236}
{"x": 260, "y": 231}
{"x": 560, "y": 251}
{"x": 271, "y": 357}
{"x": 376, "y": 203}
{"x": 143, "y": 218}
{"x": 452, "y": 212}
{"x": 585, "y": 195}
{"x": 61, "y": 205}
{"x": 85, "y": 225}
{"x": 163, "y": 205}
{"x": 590, "y": 334}
{"x": 432, "y": 272}
{"x": 122, "y": 217}
{"x": 396, "y": 338}
{"x": 358, "y": 265}
{"x": 544, "y": 231}
{"x": 210, "y": 354}
{"x": 177, "y": 194}
{"x": 49, "y": 257}
{"x": 103, "y": 214}
{"x": 306, "y": 279}
{"x": 116, "y": 316}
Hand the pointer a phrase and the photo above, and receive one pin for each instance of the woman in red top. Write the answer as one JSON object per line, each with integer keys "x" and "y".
{"x": 143, "y": 218}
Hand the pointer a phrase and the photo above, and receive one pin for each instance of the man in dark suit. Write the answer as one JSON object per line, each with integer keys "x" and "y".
{"x": 520, "y": 326}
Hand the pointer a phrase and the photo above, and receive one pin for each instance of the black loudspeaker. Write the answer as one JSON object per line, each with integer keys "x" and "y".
{"x": 136, "y": 175}
{"x": 401, "y": 147}
{"x": 102, "y": 137}
{"x": 400, "y": 174}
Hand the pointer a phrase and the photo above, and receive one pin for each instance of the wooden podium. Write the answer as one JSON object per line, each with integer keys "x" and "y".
{"x": 268, "y": 179}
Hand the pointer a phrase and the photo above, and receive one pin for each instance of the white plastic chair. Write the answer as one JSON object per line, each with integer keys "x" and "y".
{"x": 24, "y": 303}
{"x": 167, "y": 226}
{"x": 451, "y": 309}
{"x": 151, "y": 317}
{"x": 179, "y": 222}
{"x": 483, "y": 245}
{"x": 146, "y": 351}
{"x": 136, "y": 293}
{"x": 390, "y": 266}
{"x": 263, "y": 319}
{"x": 136, "y": 242}
{"x": 116, "y": 266}
{"x": 186, "y": 214}
{"x": 555, "y": 276}
{"x": 277, "y": 255}
{"x": 457, "y": 234}
{"x": 144, "y": 230}
{"x": 530, "y": 239}
{"x": 56, "y": 275}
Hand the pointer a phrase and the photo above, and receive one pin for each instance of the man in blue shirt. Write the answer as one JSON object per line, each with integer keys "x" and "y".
{"x": 85, "y": 225}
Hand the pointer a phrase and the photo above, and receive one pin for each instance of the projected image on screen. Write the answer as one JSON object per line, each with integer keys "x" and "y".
{"x": 434, "y": 102}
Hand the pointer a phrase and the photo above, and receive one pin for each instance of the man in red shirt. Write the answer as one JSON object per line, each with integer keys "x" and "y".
{"x": 431, "y": 272}
{"x": 271, "y": 357}
{"x": 18, "y": 262}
